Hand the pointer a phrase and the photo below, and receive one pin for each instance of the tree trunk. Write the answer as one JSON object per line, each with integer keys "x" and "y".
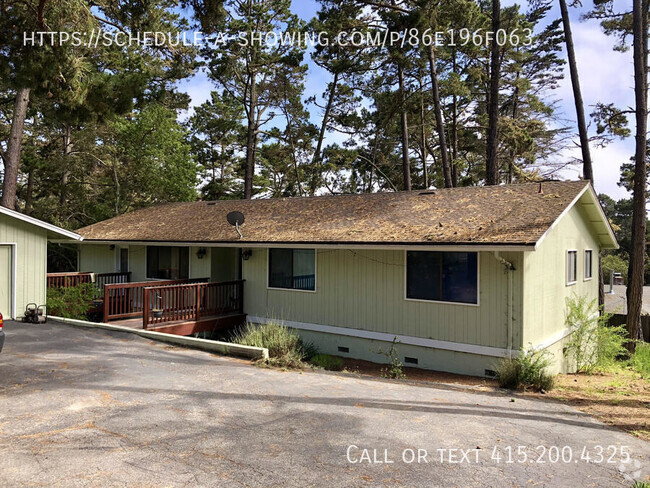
{"x": 67, "y": 150}
{"x": 444, "y": 155}
{"x": 423, "y": 139}
{"x": 316, "y": 159}
{"x": 29, "y": 194}
{"x": 637, "y": 256}
{"x": 454, "y": 129}
{"x": 14, "y": 148}
{"x": 587, "y": 170}
{"x": 406, "y": 164}
{"x": 251, "y": 141}
{"x": 491, "y": 144}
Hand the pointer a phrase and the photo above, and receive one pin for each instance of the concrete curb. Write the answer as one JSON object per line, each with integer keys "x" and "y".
{"x": 225, "y": 348}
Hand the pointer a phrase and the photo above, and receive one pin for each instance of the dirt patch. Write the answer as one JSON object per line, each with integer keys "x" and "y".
{"x": 359, "y": 366}
{"x": 620, "y": 398}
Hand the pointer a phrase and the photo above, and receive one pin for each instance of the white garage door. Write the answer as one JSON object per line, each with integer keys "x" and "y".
{"x": 5, "y": 281}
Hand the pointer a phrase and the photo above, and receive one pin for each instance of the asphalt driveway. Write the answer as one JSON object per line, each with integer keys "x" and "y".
{"x": 82, "y": 407}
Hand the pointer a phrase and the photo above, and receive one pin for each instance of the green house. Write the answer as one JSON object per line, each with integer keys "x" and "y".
{"x": 23, "y": 260}
{"x": 461, "y": 276}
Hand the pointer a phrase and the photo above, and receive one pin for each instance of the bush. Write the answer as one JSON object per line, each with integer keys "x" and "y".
{"x": 395, "y": 368}
{"x": 616, "y": 264}
{"x": 286, "y": 349}
{"x": 594, "y": 345}
{"x": 640, "y": 361}
{"x": 527, "y": 370}
{"x": 73, "y": 302}
{"x": 325, "y": 361}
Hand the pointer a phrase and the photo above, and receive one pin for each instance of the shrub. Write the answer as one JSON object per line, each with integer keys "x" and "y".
{"x": 325, "y": 361}
{"x": 616, "y": 264}
{"x": 394, "y": 370}
{"x": 593, "y": 345}
{"x": 640, "y": 361}
{"x": 286, "y": 349}
{"x": 73, "y": 302}
{"x": 527, "y": 370}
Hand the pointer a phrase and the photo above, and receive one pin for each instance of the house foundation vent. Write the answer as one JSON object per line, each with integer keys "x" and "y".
{"x": 490, "y": 373}
{"x": 409, "y": 360}
{"x": 344, "y": 349}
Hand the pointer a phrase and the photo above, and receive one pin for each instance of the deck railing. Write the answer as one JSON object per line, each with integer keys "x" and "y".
{"x": 125, "y": 300}
{"x": 191, "y": 302}
{"x": 103, "y": 279}
{"x": 67, "y": 280}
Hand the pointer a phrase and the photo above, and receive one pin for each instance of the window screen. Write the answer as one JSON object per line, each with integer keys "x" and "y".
{"x": 294, "y": 269}
{"x": 572, "y": 266}
{"x": 442, "y": 276}
{"x": 588, "y": 264}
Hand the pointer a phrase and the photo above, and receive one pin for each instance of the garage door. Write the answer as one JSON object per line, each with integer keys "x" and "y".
{"x": 5, "y": 281}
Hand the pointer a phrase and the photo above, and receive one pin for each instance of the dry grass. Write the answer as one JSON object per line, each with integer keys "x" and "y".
{"x": 620, "y": 398}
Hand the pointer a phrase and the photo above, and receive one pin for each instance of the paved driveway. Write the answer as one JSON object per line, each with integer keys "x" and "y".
{"x": 83, "y": 407}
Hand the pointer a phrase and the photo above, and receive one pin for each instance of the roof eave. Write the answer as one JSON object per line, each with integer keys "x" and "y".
{"x": 67, "y": 234}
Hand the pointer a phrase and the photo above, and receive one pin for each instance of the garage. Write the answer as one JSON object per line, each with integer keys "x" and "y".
{"x": 23, "y": 259}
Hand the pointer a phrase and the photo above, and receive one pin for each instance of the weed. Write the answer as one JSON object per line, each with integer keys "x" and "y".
{"x": 395, "y": 368}
{"x": 593, "y": 345}
{"x": 527, "y": 370}
{"x": 286, "y": 349}
{"x": 325, "y": 361}
{"x": 640, "y": 361}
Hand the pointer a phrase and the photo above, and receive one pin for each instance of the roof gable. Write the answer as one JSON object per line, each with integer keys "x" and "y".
{"x": 52, "y": 230}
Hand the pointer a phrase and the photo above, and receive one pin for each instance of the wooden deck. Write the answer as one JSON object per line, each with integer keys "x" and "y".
{"x": 185, "y": 327}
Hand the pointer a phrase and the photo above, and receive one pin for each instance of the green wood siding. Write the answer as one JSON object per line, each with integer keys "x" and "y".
{"x": 99, "y": 258}
{"x": 545, "y": 276}
{"x": 365, "y": 290}
{"x": 31, "y": 261}
{"x": 5, "y": 280}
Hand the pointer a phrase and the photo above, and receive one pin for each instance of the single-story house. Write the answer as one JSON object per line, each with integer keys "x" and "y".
{"x": 23, "y": 260}
{"x": 461, "y": 276}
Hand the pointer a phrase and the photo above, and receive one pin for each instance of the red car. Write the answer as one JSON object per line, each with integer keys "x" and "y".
{"x": 2, "y": 334}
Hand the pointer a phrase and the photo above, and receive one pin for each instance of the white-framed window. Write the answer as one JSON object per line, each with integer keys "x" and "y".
{"x": 571, "y": 266}
{"x": 292, "y": 269}
{"x": 442, "y": 276}
{"x": 589, "y": 263}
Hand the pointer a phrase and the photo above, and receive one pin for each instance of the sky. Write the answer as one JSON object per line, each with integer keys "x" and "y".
{"x": 606, "y": 76}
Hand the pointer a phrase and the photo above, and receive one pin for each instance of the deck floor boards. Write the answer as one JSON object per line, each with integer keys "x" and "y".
{"x": 185, "y": 327}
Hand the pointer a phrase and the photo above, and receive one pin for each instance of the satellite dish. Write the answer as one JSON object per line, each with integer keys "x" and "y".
{"x": 236, "y": 219}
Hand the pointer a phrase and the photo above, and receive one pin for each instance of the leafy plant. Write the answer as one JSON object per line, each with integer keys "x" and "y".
{"x": 286, "y": 348}
{"x": 527, "y": 370}
{"x": 594, "y": 345}
{"x": 325, "y": 361}
{"x": 395, "y": 368}
{"x": 640, "y": 361}
{"x": 73, "y": 302}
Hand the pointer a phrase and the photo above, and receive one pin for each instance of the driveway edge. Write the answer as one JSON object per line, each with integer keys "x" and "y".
{"x": 224, "y": 348}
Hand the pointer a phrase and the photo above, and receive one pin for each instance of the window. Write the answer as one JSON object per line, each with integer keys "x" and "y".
{"x": 571, "y": 267}
{"x": 168, "y": 263}
{"x": 589, "y": 264}
{"x": 442, "y": 276}
{"x": 294, "y": 269}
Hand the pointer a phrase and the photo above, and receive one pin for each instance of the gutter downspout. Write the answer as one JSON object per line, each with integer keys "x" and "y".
{"x": 509, "y": 267}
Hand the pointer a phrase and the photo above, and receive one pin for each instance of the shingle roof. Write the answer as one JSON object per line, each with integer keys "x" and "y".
{"x": 516, "y": 214}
